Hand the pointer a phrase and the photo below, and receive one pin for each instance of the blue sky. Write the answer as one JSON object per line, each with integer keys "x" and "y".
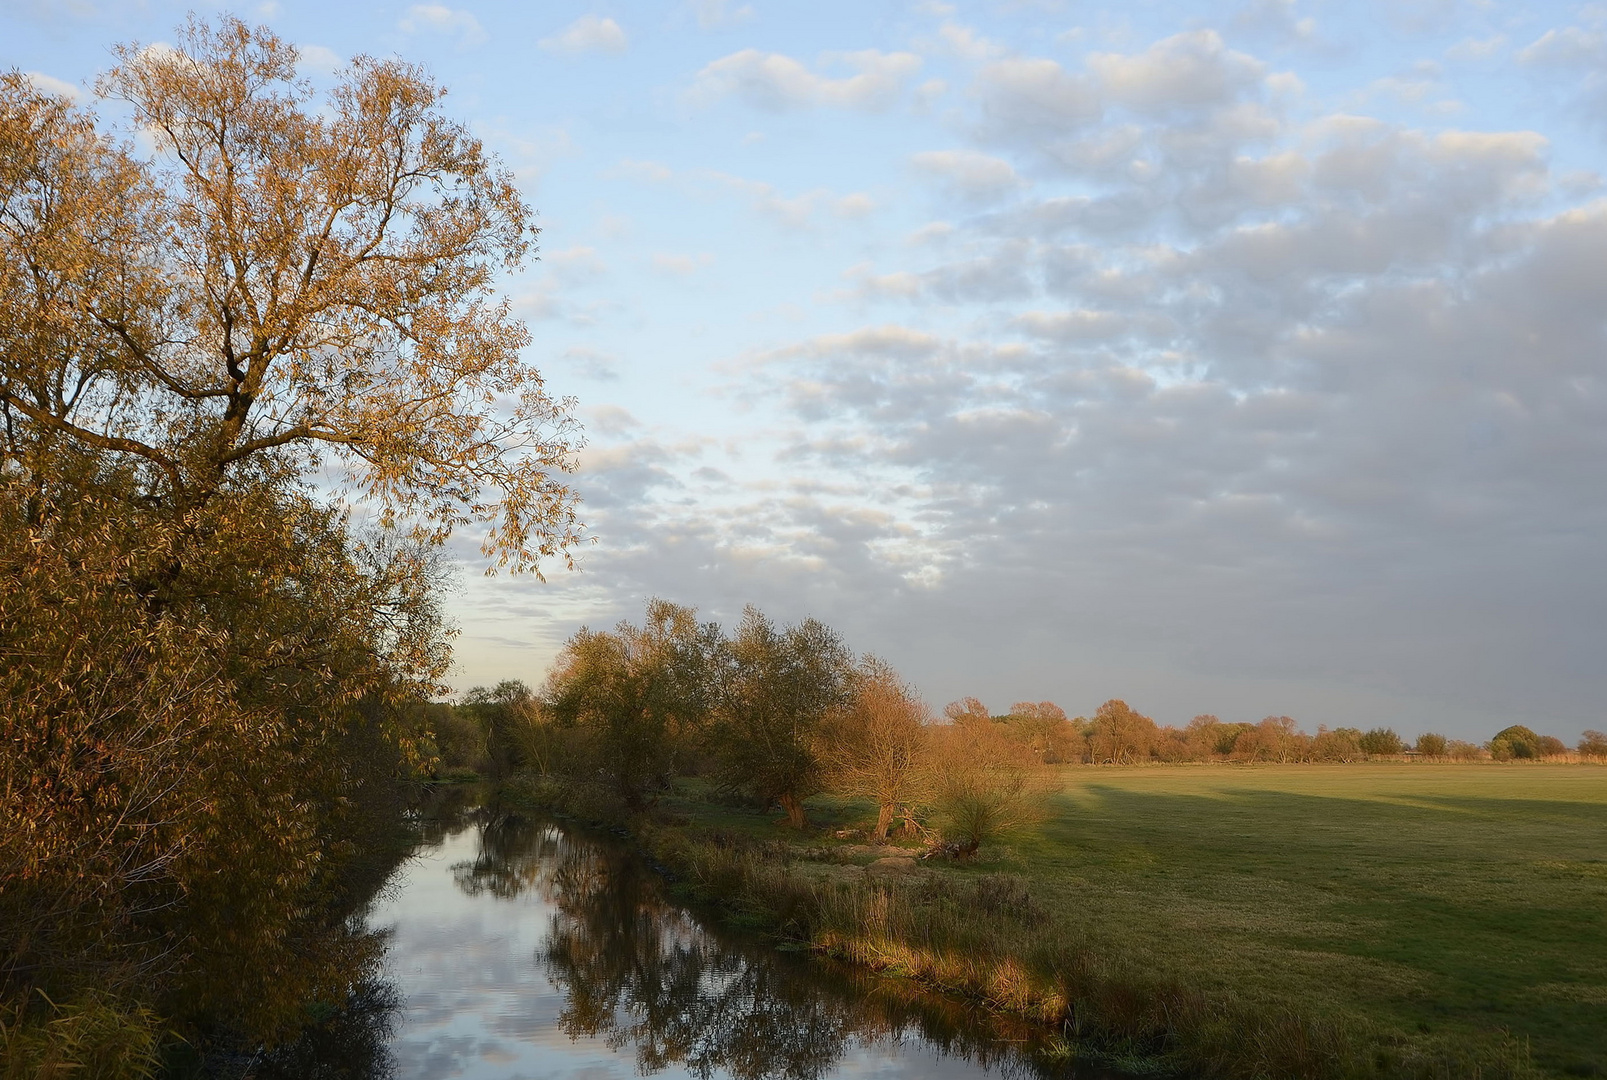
{"x": 1234, "y": 359}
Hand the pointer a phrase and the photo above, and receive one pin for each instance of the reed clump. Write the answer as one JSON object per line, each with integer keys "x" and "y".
{"x": 93, "y": 1035}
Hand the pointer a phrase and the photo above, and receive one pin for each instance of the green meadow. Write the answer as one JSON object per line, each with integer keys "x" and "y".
{"x": 1429, "y": 896}
{"x": 1427, "y": 903}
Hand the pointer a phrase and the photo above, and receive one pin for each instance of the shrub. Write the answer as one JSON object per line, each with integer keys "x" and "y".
{"x": 1340, "y": 744}
{"x": 980, "y": 788}
{"x": 1381, "y": 742}
{"x": 1431, "y": 745}
{"x": 1516, "y": 741}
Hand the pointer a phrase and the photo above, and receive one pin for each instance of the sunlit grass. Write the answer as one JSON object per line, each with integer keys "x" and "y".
{"x": 1421, "y": 906}
{"x": 1428, "y": 896}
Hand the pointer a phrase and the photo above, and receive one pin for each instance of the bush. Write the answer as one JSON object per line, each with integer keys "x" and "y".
{"x": 1381, "y": 742}
{"x": 1341, "y": 744}
{"x": 1516, "y": 741}
{"x": 980, "y": 788}
{"x": 1593, "y": 745}
{"x": 1431, "y": 745}
{"x": 1551, "y": 746}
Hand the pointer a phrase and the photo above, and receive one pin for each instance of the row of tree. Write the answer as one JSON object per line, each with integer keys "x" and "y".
{"x": 777, "y": 714}
{"x": 1118, "y": 734}
{"x": 770, "y": 713}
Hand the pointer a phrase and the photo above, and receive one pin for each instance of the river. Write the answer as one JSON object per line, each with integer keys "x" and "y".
{"x": 525, "y": 947}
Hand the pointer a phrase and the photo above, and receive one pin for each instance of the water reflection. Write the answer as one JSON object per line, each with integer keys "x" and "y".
{"x": 350, "y": 1043}
{"x": 615, "y": 979}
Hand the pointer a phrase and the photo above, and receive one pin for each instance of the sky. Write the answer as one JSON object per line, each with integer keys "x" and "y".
{"x": 1233, "y": 358}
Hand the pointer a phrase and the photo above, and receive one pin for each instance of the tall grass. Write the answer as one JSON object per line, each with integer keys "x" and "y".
{"x": 985, "y": 938}
{"x": 94, "y": 1035}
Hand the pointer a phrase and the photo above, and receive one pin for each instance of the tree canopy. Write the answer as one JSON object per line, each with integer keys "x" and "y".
{"x": 288, "y": 280}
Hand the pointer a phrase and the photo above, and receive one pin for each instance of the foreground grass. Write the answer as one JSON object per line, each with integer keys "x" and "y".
{"x": 1384, "y": 920}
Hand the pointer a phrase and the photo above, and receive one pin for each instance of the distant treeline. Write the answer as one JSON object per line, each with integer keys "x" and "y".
{"x": 775, "y": 714}
{"x": 1119, "y": 735}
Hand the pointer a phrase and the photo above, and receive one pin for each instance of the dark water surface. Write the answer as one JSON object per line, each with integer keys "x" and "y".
{"x": 522, "y": 947}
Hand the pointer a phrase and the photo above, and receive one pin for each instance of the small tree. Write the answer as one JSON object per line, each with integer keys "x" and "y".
{"x": 1431, "y": 745}
{"x": 967, "y": 710}
{"x": 1044, "y": 731}
{"x": 1516, "y": 741}
{"x": 1382, "y": 742}
{"x": 1551, "y": 746}
{"x": 1341, "y": 744}
{"x": 1118, "y": 735}
{"x": 981, "y": 788}
{"x": 874, "y": 746}
{"x": 781, "y": 685}
{"x": 1593, "y": 745}
{"x": 1282, "y": 739}
{"x": 637, "y": 696}
{"x": 501, "y": 713}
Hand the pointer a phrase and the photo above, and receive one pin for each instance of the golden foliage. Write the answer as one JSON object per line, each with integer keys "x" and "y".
{"x": 874, "y": 744}
{"x": 288, "y": 279}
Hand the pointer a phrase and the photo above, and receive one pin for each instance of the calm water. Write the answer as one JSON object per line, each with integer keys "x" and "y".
{"x": 524, "y": 949}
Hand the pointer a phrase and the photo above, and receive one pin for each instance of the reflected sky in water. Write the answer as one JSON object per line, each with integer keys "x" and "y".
{"x": 523, "y": 950}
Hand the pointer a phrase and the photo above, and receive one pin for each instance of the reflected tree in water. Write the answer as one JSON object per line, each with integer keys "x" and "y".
{"x": 639, "y": 972}
{"x": 350, "y": 1043}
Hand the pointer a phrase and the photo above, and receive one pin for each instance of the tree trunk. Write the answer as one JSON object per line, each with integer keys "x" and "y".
{"x": 794, "y": 809}
{"x": 884, "y": 819}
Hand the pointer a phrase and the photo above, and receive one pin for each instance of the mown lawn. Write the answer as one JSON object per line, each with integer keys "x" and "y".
{"x": 1434, "y": 898}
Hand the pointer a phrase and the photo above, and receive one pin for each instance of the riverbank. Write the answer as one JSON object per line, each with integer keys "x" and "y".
{"x": 1373, "y": 921}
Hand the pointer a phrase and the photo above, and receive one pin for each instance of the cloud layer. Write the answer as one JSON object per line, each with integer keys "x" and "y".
{"x": 1204, "y": 396}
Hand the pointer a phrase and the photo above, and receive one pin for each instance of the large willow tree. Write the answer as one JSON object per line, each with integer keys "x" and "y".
{"x": 196, "y": 650}
{"x": 291, "y": 277}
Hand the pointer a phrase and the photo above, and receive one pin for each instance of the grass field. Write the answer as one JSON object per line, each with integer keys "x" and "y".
{"x": 1468, "y": 896}
{"x": 1439, "y": 901}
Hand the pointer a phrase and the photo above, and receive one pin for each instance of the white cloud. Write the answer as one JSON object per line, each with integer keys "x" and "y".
{"x": 969, "y": 173}
{"x": 587, "y": 34}
{"x": 1569, "y": 46}
{"x": 777, "y": 83}
{"x": 1477, "y": 49}
{"x": 444, "y": 21}
{"x": 1190, "y": 70}
{"x": 715, "y": 13}
{"x": 796, "y": 211}
{"x": 1081, "y": 325}
{"x": 49, "y": 84}
{"x": 318, "y": 59}
{"x": 575, "y": 265}
{"x": 967, "y": 44}
{"x": 610, "y": 420}
{"x": 1279, "y": 19}
{"x": 1035, "y": 98}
